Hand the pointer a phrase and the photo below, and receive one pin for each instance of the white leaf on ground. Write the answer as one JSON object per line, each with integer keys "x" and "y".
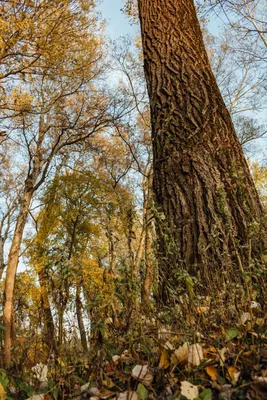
{"x": 141, "y": 373}
{"x": 244, "y": 318}
{"x": 128, "y": 396}
{"x": 222, "y": 355}
{"x": 254, "y": 304}
{"x": 36, "y": 397}
{"x": 168, "y": 346}
{"x": 180, "y": 355}
{"x": 116, "y": 359}
{"x": 189, "y": 391}
{"x": 195, "y": 355}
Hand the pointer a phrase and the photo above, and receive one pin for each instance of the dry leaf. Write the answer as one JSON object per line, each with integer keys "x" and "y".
{"x": 142, "y": 373}
{"x": 2, "y": 392}
{"x": 128, "y": 396}
{"x": 189, "y": 391}
{"x": 195, "y": 355}
{"x": 108, "y": 383}
{"x": 222, "y": 353}
{"x": 164, "y": 360}
{"x": 202, "y": 310}
{"x": 168, "y": 345}
{"x": 212, "y": 372}
{"x": 180, "y": 355}
{"x": 234, "y": 374}
{"x": 244, "y": 318}
{"x": 116, "y": 359}
{"x": 210, "y": 351}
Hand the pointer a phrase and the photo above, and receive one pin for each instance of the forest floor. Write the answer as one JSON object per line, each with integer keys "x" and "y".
{"x": 154, "y": 359}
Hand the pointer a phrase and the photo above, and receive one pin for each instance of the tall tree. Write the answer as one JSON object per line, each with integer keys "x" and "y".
{"x": 207, "y": 204}
{"x": 49, "y": 61}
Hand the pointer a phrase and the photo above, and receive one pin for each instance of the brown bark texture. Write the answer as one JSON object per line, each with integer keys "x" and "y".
{"x": 49, "y": 327}
{"x": 12, "y": 269}
{"x": 208, "y": 209}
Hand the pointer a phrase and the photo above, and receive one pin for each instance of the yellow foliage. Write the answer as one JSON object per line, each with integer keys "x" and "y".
{"x": 259, "y": 173}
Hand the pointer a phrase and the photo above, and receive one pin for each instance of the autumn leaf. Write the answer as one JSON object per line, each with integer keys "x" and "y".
{"x": 234, "y": 374}
{"x": 195, "y": 355}
{"x": 164, "y": 360}
{"x": 189, "y": 391}
{"x": 142, "y": 373}
{"x": 212, "y": 372}
{"x": 180, "y": 355}
{"x": 2, "y": 392}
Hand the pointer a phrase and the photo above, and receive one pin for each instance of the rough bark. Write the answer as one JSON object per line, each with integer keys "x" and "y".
{"x": 80, "y": 317}
{"x": 208, "y": 210}
{"x": 49, "y": 327}
{"x": 12, "y": 269}
{"x": 149, "y": 262}
{"x": 2, "y": 261}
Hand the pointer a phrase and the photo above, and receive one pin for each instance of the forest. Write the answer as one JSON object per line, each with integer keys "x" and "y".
{"x": 133, "y": 198}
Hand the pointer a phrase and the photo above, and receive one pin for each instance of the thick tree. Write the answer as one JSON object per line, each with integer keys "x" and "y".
{"x": 209, "y": 215}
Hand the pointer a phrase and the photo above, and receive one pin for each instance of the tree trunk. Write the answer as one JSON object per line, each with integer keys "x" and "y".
{"x": 2, "y": 261}
{"x": 149, "y": 264}
{"x": 80, "y": 317}
{"x": 12, "y": 269}
{"x": 208, "y": 210}
{"x": 49, "y": 327}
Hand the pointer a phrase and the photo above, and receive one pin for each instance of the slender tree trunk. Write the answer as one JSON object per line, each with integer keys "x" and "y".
{"x": 49, "y": 327}
{"x": 149, "y": 264}
{"x": 80, "y": 317}
{"x": 12, "y": 269}
{"x": 112, "y": 252}
{"x": 208, "y": 210}
{"x": 2, "y": 261}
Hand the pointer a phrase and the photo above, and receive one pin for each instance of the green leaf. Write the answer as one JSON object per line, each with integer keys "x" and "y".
{"x": 231, "y": 334}
{"x": 206, "y": 394}
{"x": 142, "y": 392}
{"x": 3, "y": 378}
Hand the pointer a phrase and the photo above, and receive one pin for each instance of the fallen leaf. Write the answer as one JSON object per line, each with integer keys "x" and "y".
{"x": 244, "y": 318}
{"x": 168, "y": 345}
{"x": 212, "y": 372}
{"x": 116, "y": 359}
{"x": 195, "y": 355}
{"x": 202, "y": 310}
{"x": 108, "y": 383}
{"x": 128, "y": 396}
{"x": 260, "y": 379}
{"x": 231, "y": 334}
{"x": 209, "y": 352}
{"x": 234, "y": 374}
{"x": 164, "y": 360}
{"x": 189, "y": 391}
{"x": 222, "y": 356}
{"x": 142, "y": 391}
{"x": 180, "y": 355}
{"x": 2, "y": 392}
{"x": 141, "y": 373}
{"x": 105, "y": 394}
{"x": 206, "y": 394}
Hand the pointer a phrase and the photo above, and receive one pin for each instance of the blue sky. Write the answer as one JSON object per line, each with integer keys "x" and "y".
{"x": 117, "y": 23}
